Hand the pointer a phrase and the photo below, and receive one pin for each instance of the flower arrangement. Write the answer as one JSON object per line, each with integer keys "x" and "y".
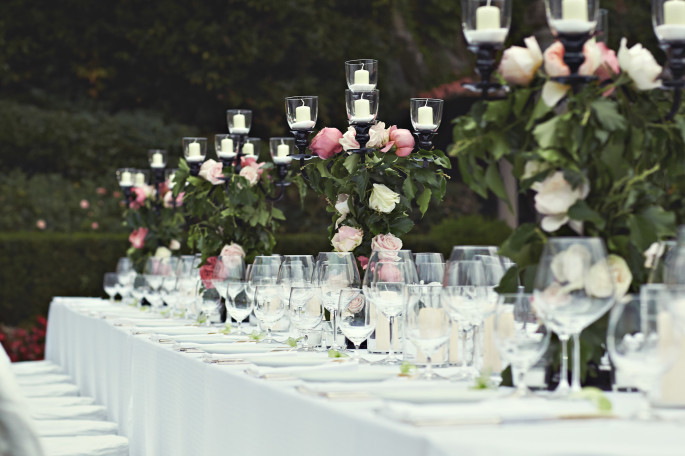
{"x": 25, "y": 344}
{"x": 376, "y": 195}
{"x": 601, "y": 161}
{"x": 157, "y": 229}
{"x": 225, "y": 208}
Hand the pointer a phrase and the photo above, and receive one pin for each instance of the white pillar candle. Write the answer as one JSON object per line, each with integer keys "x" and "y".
{"x": 362, "y": 108}
{"x": 361, "y": 77}
{"x": 282, "y": 150}
{"x": 671, "y": 392}
{"x": 431, "y": 322}
{"x": 239, "y": 121}
{"x": 140, "y": 179}
{"x": 194, "y": 150}
{"x": 303, "y": 114}
{"x": 487, "y": 18}
{"x": 248, "y": 149}
{"x": 425, "y": 115}
{"x": 227, "y": 146}
{"x": 383, "y": 333}
{"x": 674, "y": 12}
{"x": 126, "y": 178}
{"x": 454, "y": 347}
{"x": 157, "y": 160}
{"x": 574, "y": 10}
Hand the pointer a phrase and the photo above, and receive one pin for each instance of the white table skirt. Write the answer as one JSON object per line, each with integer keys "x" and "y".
{"x": 171, "y": 403}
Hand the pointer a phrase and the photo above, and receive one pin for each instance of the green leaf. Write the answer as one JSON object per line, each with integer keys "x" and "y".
{"x": 424, "y": 199}
{"x": 409, "y": 188}
{"x": 583, "y": 213}
{"x": 336, "y": 354}
{"x": 351, "y": 163}
{"x": 407, "y": 368}
{"x": 606, "y": 112}
{"x": 277, "y": 213}
{"x": 545, "y": 133}
{"x": 293, "y": 342}
{"x": 510, "y": 281}
{"x": 494, "y": 181}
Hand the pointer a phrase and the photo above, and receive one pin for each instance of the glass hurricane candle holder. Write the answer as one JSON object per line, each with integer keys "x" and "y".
{"x": 362, "y": 107}
{"x": 572, "y": 17}
{"x": 140, "y": 177}
{"x": 485, "y": 21}
{"x": 602, "y": 29}
{"x": 668, "y": 18}
{"x": 361, "y": 74}
{"x": 251, "y": 147}
{"x": 281, "y": 150}
{"x": 157, "y": 158}
{"x": 194, "y": 149}
{"x": 226, "y": 146}
{"x": 302, "y": 112}
{"x": 125, "y": 177}
{"x": 239, "y": 121}
{"x": 426, "y": 114}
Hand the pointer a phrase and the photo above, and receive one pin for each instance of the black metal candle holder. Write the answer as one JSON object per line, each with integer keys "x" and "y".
{"x": 675, "y": 51}
{"x": 425, "y": 139}
{"x": 302, "y": 142}
{"x": 362, "y": 136}
{"x": 280, "y": 184}
{"x": 486, "y": 63}
{"x": 574, "y": 58}
{"x": 242, "y": 139}
{"x": 194, "y": 167}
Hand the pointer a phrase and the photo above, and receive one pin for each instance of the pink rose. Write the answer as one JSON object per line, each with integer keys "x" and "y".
{"x": 94, "y": 225}
{"x": 403, "y": 140}
{"x": 554, "y": 60}
{"x": 347, "y": 239}
{"x": 169, "y": 199}
{"x": 212, "y": 171}
{"x": 609, "y": 65}
{"x": 326, "y": 143}
{"x": 363, "y": 261}
{"x": 247, "y": 160}
{"x": 40, "y": 224}
{"x": 232, "y": 249}
{"x": 519, "y": 64}
{"x": 139, "y": 196}
{"x": 386, "y": 242}
{"x": 101, "y": 191}
{"x": 116, "y": 194}
{"x": 174, "y": 245}
{"x": 207, "y": 271}
{"x": 137, "y": 237}
{"x": 84, "y": 204}
{"x": 356, "y": 305}
{"x": 251, "y": 174}
{"x": 389, "y": 272}
{"x": 348, "y": 140}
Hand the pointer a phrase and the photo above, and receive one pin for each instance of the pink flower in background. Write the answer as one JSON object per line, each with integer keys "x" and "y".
{"x": 84, "y": 204}
{"x": 174, "y": 245}
{"x": 95, "y": 225}
{"x": 40, "y": 224}
{"x": 609, "y": 63}
{"x": 233, "y": 249}
{"x": 137, "y": 237}
{"x": 139, "y": 196}
{"x": 347, "y": 239}
{"x": 169, "y": 199}
{"x": 207, "y": 271}
{"x": 326, "y": 143}
{"x": 363, "y": 261}
{"x": 212, "y": 171}
{"x": 101, "y": 191}
{"x": 116, "y": 194}
{"x": 402, "y": 139}
{"x": 348, "y": 140}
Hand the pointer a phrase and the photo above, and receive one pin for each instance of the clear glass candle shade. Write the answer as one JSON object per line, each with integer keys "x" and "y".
{"x": 668, "y": 18}
{"x": 602, "y": 29}
{"x": 302, "y": 112}
{"x": 251, "y": 147}
{"x": 125, "y": 176}
{"x": 572, "y": 17}
{"x": 281, "y": 149}
{"x": 157, "y": 158}
{"x": 361, "y": 74}
{"x": 362, "y": 107}
{"x": 141, "y": 177}
{"x": 426, "y": 113}
{"x": 486, "y": 21}
{"x": 194, "y": 149}
{"x": 226, "y": 145}
{"x": 239, "y": 121}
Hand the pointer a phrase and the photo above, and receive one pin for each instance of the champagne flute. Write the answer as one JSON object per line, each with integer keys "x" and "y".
{"x": 269, "y": 307}
{"x": 521, "y": 337}
{"x": 428, "y": 323}
{"x": 111, "y": 285}
{"x": 573, "y": 287}
{"x": 305, "y": 310}
{"x": 357, "y": 317}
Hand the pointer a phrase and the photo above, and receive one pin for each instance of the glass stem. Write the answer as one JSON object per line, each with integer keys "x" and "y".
{"x": 391, "y": 351}
{"x": 356, "y": 358}
{"x": 521, "y": 387}
{"x": 563, "y": 386}
{"x": 575, "y": 373}
{"x": 334, "y": 322}
{"x": 268, "y": 334}
{"x": 429, "y": 368}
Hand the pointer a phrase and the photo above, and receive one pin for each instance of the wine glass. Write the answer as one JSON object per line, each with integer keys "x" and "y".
{"x": 643, "y": 342}
{"x": 400, "y": 256}
{"x": 428, "y": 324}
{"x": 468, "y": 252}
{"x": 306, "y": 260}
{"x": 138, "y": 289}
{"x": 430, "y": 273}
{"x": 209, "y": 300}
{"x": 111, "y": 285}
{"x": 521, "y": 336}
{"x": 293, "y": 273}
{"x": 334, "y": 277}
{"x": 305, "y": 310}
{"x": 357, "y": 317}
{"x": 573, "y": 287}
{"x": 428, "y": 257}
{"x": 388, "y": 291}
{"x": 227, "y": 268}
{"x": 346, "y": 258}
{"x": 154, "y": 271}
{"x": 239, "y": 303}
{"x": 269, "y": 307}
{"x": 466, "y": 296}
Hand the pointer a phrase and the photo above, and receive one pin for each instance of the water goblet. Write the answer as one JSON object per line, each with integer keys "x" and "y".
{"x": 334, "y": 277}
{"x": 357, "y": 317}
{"x": 305, "y": 310}
{"x": 111, "y": 285}
{"x": 269, "y": 307}
{"x": 239, "y": 304}
{"x": 428, "y": 323}
{"x": 226, "y": 268}
{"x": 388, "y": 291}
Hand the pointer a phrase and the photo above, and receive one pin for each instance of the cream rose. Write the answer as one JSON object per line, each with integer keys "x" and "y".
{"x": 232, "y": 249}
{"x": 599, "y": 282}
{"x": 378, "y": 136}
{"x": 162, "y": 252}
{"x": 349, "y": 141}
{"x": 519, "y": 64}
{"x": 342, "y": 206}
{"x": 383, "y": 199}
{"x": 640, "y": 65}
{"x": 251, "y": 174}
{"x": 386, "y": 242}
{"x": 174, "y": 245}
{"x": 569, "y": 266}
{"x": 212, "y": 171}
{"x": 554, "y": 198}
{"x": 621, "y": 274}
{"x": 347, "y": 239}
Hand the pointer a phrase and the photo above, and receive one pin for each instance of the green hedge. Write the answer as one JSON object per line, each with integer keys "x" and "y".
{"x": 34, "y": 267}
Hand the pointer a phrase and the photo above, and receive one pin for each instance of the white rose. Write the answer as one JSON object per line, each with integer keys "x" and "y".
{"x": 653, "y": 253}
{"x": 162, "y": 252}
{"x": 383, "y": 199}
{"x": 174, "y": 245}
{"x": 599, "y": 282}
{"x": 251, "y": 174}
{"x": 640, "y": 65}
{"x": 347, "y": 239}
{"x": 519, "y": 64}
{"x": 378, "y": 136}
{"x": 342, "y": 206}
{"x": 621, "y": 274}
{"x": 554, "y": 198}
{"x": 349, "y": 141}
{"x": 569, "y": 265}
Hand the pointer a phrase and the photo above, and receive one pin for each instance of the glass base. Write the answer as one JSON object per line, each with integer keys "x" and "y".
{"x": 388, "y": 361}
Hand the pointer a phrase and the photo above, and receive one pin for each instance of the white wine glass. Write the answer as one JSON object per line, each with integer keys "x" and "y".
{"x": 428, "y": 323}
{"x": 111, "y": 285}
{"x": 388, "y": 291}
{"x": 334, "y": 277}
{"x": 357, "y": 317}
{"x": 305, "y": 311}
{"x": 269, "y": 307}
{"x": 226, "y": 268}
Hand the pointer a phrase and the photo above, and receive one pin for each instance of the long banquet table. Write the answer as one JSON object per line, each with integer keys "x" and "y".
{"x": 169, "y": 402}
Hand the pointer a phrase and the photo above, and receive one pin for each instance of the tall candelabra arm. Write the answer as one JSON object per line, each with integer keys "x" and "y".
{"x": 280, "y": 185}
{"x": 675, "y": 51}
{"x": 486, "y": 62}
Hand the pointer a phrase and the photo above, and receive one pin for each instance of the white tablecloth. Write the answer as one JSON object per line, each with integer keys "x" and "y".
{"x": 171, "y": 403}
